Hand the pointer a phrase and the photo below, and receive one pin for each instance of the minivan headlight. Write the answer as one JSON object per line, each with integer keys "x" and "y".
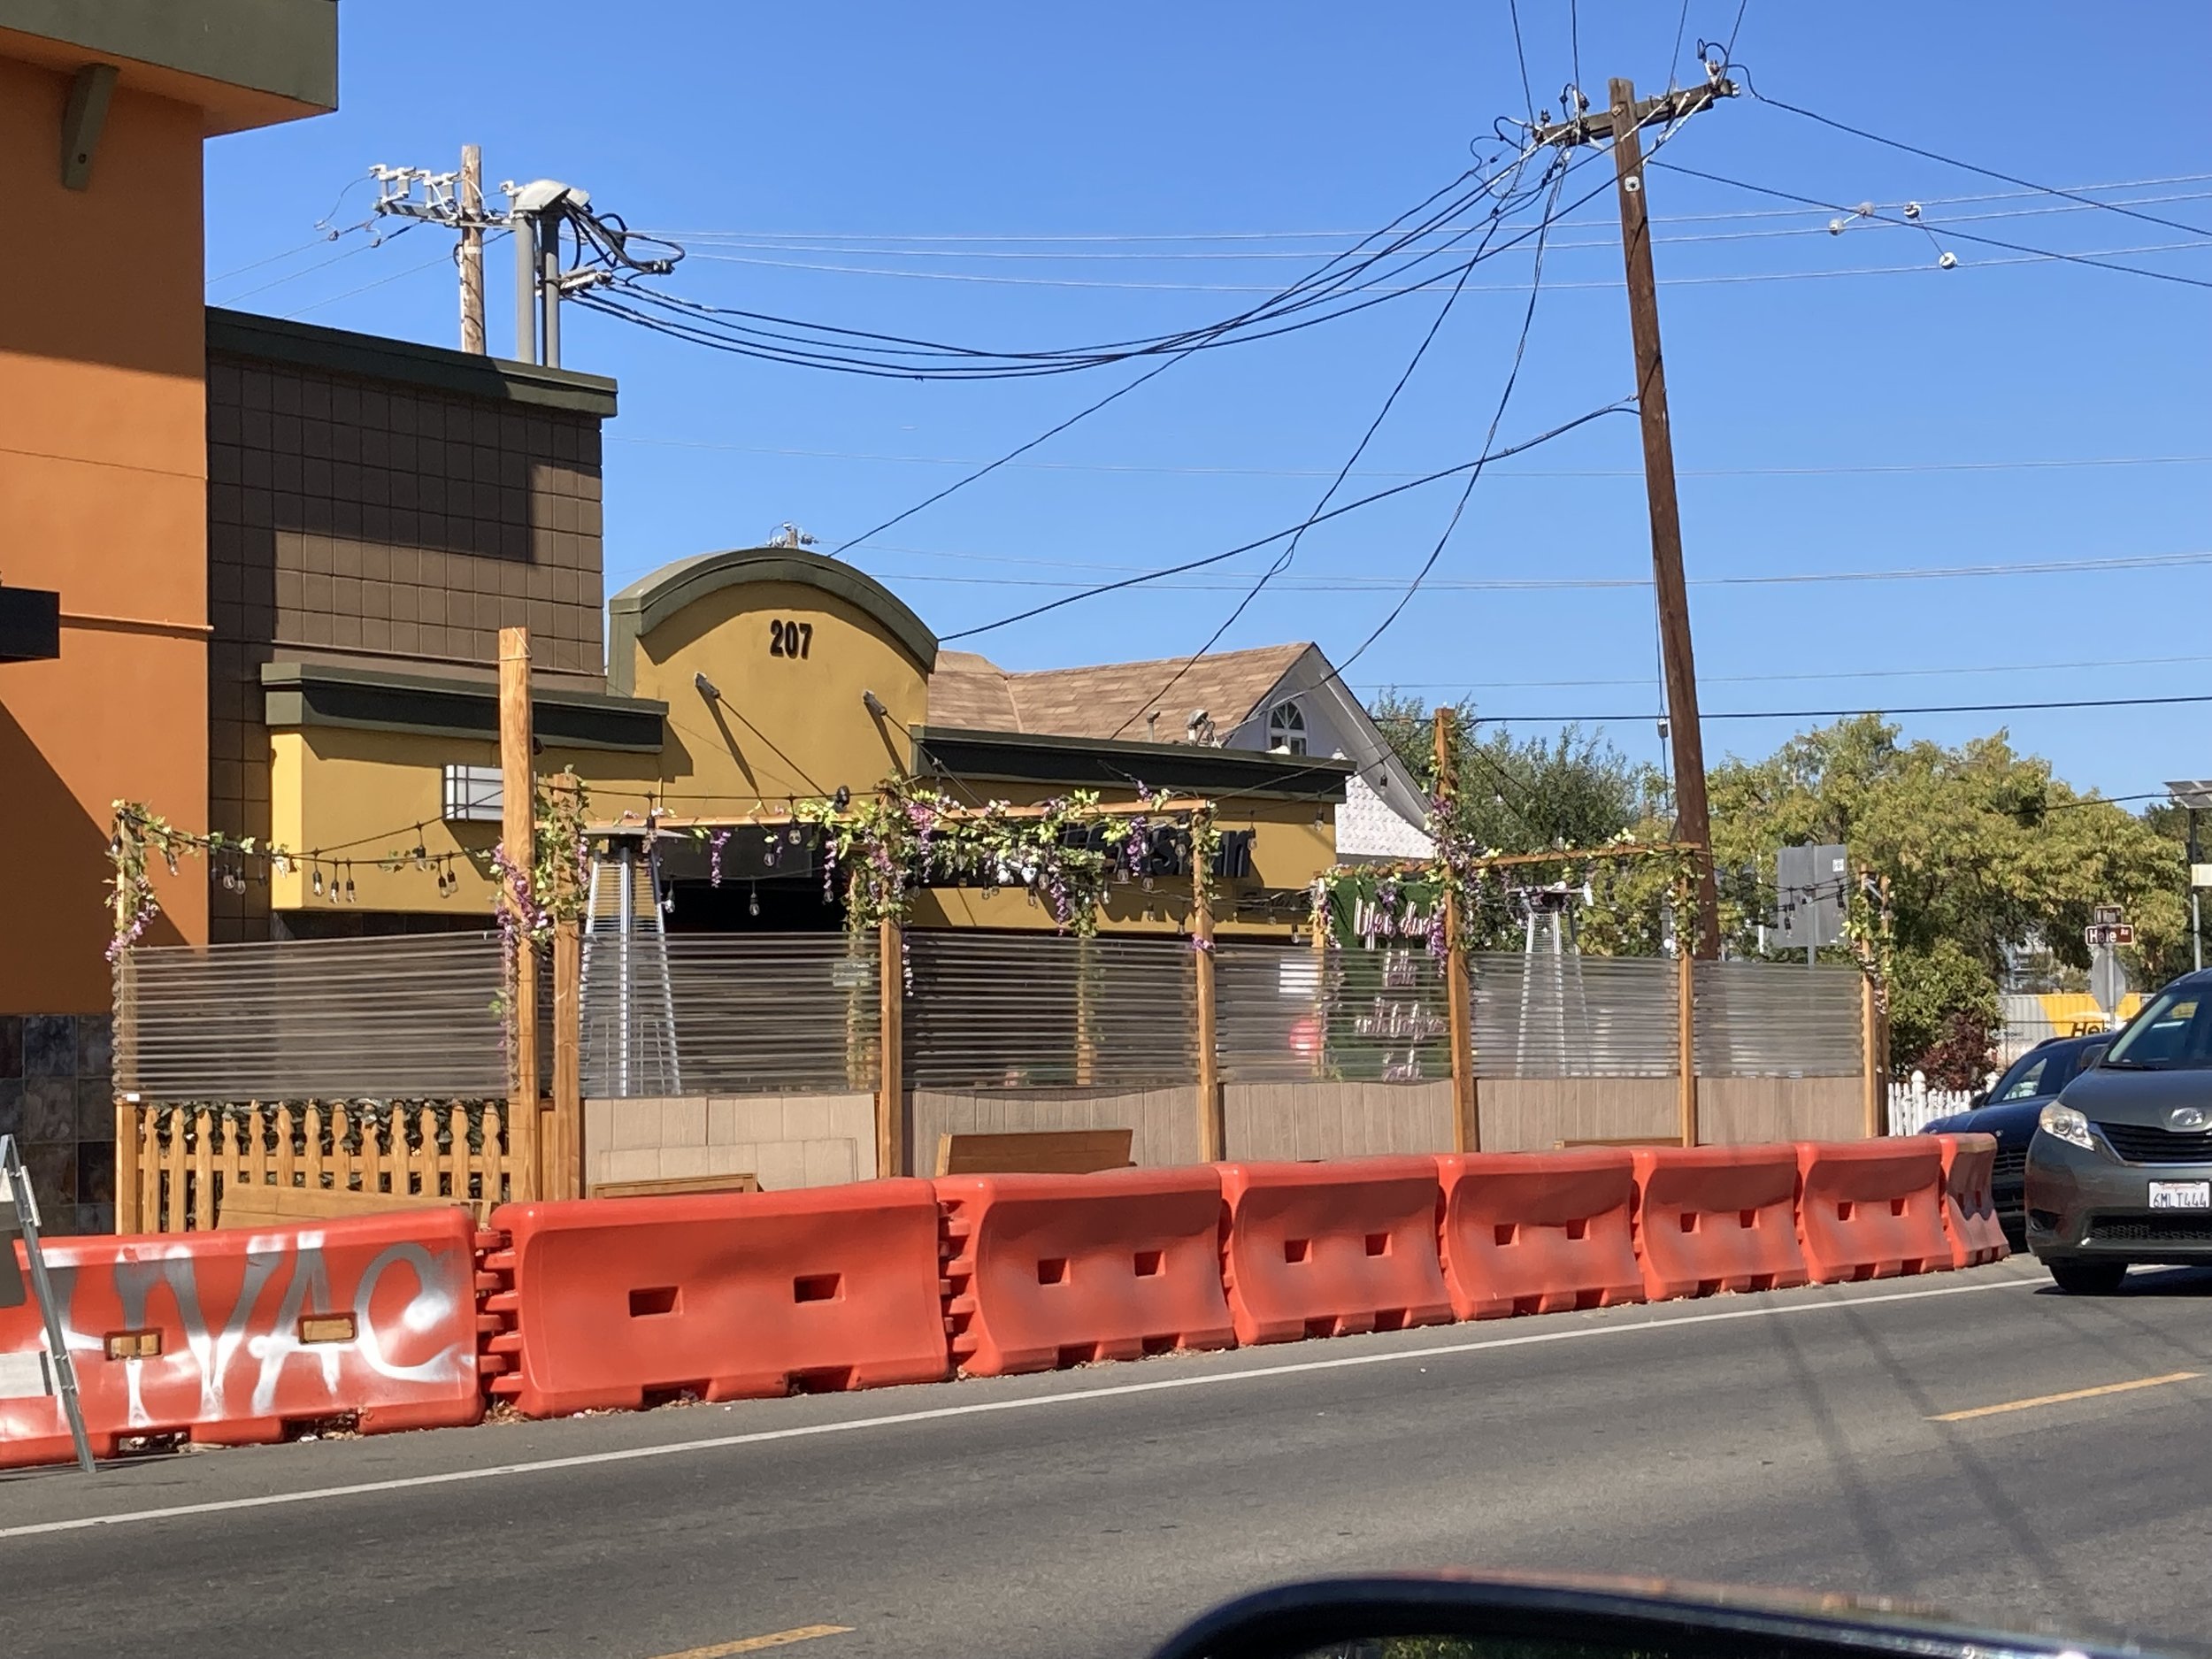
{"x": 2067, "y": 1123}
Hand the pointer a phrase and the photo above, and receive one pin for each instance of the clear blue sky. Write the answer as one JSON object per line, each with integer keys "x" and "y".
{"x": 824, "y": 146}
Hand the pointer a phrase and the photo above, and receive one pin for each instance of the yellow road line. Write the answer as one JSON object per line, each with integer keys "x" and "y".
{"x": 756, "y": 1644}
{"x": 2076, "y": 1394}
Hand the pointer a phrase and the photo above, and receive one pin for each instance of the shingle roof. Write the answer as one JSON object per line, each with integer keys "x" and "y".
{"x": 968, "y": 690}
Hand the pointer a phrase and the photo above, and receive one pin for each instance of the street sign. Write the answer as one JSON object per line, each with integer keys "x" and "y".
{"x": 2200, "y": 875}
{"x": 2104, "y": 914}
{"x": 2106, "y": 934}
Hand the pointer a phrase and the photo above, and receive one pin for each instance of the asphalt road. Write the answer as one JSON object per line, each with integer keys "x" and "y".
{"x": 1789, "y": 1440}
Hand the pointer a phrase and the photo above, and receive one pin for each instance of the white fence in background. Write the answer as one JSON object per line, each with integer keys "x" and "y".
{"x": 1913, "y": 1106}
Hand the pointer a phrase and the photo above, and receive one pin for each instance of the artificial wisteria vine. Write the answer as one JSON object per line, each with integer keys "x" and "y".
{"x": 140, "y": 833}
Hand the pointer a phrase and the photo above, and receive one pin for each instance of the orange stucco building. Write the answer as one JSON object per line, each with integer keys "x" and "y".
{"x": 103, "y": 492}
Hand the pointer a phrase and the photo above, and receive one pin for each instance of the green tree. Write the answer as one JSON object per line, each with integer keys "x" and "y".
{"x": 1573, "y": 790}
{"x": 1982, "y": 847}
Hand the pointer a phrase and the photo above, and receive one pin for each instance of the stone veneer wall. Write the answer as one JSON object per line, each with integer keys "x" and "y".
{"x": 57, "y": 1099}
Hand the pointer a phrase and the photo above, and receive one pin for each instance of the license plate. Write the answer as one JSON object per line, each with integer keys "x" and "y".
{"x": 2181, "y": 1194}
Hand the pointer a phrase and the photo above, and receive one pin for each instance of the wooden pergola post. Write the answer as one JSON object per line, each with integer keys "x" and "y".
{"x": 518, "y": 836}
{"x": 891, "y": 1086}
{"x": 123, "y": 1064}
{"x": 1873, "y": 1072}
{"x": 1685, "y": 1015}
{"x": 1212, "y": 1131}
{"x": 1466, "y": 1096}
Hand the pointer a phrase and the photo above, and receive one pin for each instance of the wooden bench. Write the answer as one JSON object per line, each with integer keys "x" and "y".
{"x": 677, "y": 1186}
{"x": 257, "y": 1206}
{"x": 1037, "y": 1152}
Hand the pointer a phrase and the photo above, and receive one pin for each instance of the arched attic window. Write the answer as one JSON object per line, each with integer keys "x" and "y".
{"x": 1286, "y": 728}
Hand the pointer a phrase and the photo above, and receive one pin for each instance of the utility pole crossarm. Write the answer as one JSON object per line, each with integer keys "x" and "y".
{"x": 1597, "y": 125}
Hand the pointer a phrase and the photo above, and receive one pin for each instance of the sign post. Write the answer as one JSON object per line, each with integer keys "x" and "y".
{"x": 2105, "y": 933}
{"x": 18, "y": 1219}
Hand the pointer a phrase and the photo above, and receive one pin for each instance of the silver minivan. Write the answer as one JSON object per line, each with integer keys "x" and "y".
{"x": 2120, "y": 1170}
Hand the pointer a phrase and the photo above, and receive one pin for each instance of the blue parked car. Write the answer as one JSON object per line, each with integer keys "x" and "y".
{"x": 2010, "y": 1112}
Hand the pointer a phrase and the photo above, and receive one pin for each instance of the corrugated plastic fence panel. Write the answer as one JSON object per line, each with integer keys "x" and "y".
{"x": 403, "y": 1019}
{"x": 730, "y": 1014}
{"x": 1776, "y": 1019}
{"x": 1573, "y": 1016}
{"x": 992, "y": 1011}
{"x": 1351, "y": 1014}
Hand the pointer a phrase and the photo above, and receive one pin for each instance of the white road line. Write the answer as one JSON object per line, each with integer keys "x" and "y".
{"x": 980, "y": 1408}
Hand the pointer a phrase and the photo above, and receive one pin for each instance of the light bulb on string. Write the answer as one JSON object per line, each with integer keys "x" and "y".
{"x": 318, "y": 881}
{"x": 753, "y": 905}
{"x": 349, "y": 893}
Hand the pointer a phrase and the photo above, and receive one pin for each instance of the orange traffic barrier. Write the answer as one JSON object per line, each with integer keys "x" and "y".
{"x": 1871, "y": 1209}
{"x": 1713, "y": 1219}
{"x": 1539, "y": 1232}
{"x": 1330, "y": 1249}
{"x": 227, "y": 1337}
{"x": 1049, "y": 1271}
{"x": 1969, "y": 1213}
{"x": 725, "y": 1296}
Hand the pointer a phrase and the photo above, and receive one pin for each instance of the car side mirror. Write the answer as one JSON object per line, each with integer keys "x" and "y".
{"x": 2092, "y": 1055}
{"x": 1978, "y": 1099}
{"x": 1477, "y": 1617}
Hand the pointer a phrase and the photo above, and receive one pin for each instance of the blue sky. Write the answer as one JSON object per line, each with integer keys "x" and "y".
{"x": 1044, "y": 176}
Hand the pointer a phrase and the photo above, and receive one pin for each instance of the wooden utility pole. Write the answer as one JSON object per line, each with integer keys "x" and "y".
{"x": 472, "y": 249}
{"x": 1212, "y": 1131}
{"x": 1466, "y": 1101}
{"x": 1622, "y": 123}
{"x": 519, "y": 837}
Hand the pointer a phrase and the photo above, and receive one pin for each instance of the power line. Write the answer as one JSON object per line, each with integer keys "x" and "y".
{"x": 1290, "y": 552}
{"x": 1969, "y": 166}
{"x": 795, "y": 342}
{"x": 1278, "y": 472}
{"x": 1763, "y": 680}
{"x": 1145, "y": 577}
{"x": 1497, "y": 418}
{"x": 1992, "y": 242}
{"x": 1556, "y": 584}
{"x": 856, "y": 246}
{"x": 1435, "y": 282}
{"x": 1022, "y": 449}
{"x": 690, "y": 235}
{"x": 1840, "y": 714}
{"x": 1520, "y": 55}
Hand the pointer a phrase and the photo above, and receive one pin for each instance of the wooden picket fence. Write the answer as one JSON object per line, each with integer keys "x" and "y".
{"x": 182, "y": 1166}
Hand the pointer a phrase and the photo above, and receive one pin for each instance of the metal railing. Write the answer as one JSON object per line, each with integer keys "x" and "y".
{"x": 993, "y": 1010}
{"x": 1767, "y": 1019}
{"x": 411, "y": 1018}
{"x": 730, "y": 1014}
{"x": 1572, "y": 1015}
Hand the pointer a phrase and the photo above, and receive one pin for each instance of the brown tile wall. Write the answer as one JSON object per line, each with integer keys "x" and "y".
{"x": 386, "y": 525}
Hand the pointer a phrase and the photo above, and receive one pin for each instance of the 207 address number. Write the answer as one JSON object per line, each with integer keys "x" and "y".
{"x": 790, "y": 639}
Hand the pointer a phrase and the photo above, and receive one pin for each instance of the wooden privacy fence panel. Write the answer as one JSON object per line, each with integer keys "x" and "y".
{"x": 190, "y": 1160}
{"x": 1775, "y": 1019}
{"x": 721, "y": 1014}
{"x": 1541, "y": 1015}
{"x": 412, "y": 1017}
{"x": 999, "y": 1010}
